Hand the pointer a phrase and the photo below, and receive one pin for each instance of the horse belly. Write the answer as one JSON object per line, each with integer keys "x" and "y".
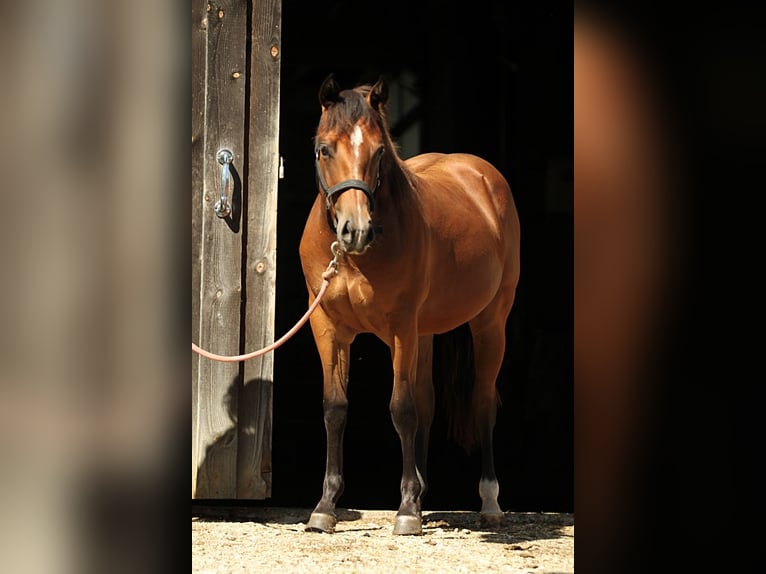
{"x": 457, "y": 297}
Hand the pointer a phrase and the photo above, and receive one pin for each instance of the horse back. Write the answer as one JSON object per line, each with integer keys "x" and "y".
{"x": 469, "y": 209}
{"x": 464, "y": 198}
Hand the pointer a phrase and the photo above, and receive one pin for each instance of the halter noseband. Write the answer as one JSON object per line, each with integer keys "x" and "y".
{"x": 341, "y": 187}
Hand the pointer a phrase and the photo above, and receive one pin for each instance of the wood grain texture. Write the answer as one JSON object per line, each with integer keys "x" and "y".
{"x": 254, "y": 468}
{"x": 214, "y": 456}
{"x": 198, "y": 75}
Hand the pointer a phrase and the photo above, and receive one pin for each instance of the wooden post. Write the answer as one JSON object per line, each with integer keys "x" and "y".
{"x": 199, "y": 38}
{"x": 254, "y": 461}
{"x": 235, "y": 105}
{"x": 219, "y": 245}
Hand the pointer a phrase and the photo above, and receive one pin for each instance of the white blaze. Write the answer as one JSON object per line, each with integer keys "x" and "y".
{"x": 356, "y": 140}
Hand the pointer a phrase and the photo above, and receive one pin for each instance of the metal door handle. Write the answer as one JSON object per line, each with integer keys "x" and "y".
{"x": 222, "y": 207}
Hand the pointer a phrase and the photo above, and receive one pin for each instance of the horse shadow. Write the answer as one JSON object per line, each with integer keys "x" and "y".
{"x": 260, "y": 512}
{"x": 516, "y": 528}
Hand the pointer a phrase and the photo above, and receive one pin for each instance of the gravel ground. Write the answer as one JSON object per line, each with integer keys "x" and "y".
{"x": 273, "y": 540}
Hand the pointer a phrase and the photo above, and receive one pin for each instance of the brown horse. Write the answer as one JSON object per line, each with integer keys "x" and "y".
{"x": 427, "y": 244}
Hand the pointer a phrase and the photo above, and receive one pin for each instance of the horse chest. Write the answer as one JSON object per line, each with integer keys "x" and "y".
{"x": 357, "y": 302}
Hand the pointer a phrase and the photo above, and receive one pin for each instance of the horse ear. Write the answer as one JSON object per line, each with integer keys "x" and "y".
{"x": 328, "y": 92}
{"x": 378, "y": 96}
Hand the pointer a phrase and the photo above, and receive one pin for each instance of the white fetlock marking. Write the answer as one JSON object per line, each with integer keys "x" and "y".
{"x": 488, "y": 490}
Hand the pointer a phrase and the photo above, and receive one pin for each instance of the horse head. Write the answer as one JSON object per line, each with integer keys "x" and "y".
{"x": 349, "y": 146}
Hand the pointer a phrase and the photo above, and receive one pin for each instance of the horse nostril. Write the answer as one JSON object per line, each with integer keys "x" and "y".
{"x": 346, "y": 229}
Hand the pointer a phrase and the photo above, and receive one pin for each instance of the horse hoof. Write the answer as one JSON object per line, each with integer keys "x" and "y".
{"x": 319, "y": 522}
{"x": 408, "y": 525}
{"x": 492, "y": 519}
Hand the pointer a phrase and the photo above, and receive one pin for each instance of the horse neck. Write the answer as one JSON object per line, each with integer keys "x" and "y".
{"x": 397, "y": 184}
{"x": 398, "y": 203}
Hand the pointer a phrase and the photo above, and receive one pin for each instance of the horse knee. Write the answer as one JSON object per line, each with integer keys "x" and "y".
{"x": 404, "y": 415}
{"x": 335, "y": 413}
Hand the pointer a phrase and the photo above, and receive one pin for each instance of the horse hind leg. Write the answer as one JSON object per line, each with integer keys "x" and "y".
{"x": 424, "y": 402}
{"x": 488, "y": 331}
{"x": 404, "y": 414}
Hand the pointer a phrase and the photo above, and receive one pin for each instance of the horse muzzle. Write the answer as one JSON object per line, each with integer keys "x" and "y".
{"x": 354, "y": 237}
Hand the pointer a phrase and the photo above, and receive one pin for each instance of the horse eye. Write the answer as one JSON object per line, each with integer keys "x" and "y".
{"x": 324, "y": 151}
{"x": 379, "y": 152}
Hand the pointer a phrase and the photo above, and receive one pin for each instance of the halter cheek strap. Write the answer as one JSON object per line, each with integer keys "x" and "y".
{"x": 341, "y": 187}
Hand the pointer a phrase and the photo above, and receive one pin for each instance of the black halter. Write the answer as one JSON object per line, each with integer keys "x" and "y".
{"x": 341, "y": 187}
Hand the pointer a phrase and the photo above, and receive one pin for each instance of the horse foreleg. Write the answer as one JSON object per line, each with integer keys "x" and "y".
{"x": 405, "y": 418}
{"x": 334, "y": 353}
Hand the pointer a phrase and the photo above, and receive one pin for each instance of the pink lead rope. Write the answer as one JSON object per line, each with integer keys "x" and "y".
{"x": 329, "y": 273}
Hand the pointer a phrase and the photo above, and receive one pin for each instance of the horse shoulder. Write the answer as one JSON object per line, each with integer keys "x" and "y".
{"x": 494, "y": 184}
{"x": 420, "y": 163}
{"x": 453, "y": 176}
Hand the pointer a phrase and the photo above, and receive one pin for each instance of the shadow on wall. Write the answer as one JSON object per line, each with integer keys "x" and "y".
{"x": 242, "y": 453}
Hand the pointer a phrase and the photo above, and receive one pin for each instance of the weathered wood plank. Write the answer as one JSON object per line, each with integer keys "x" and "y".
{"x": 254, "y": 468}
{"x": 215, "y": 415}
{"x": 198, "y": 74}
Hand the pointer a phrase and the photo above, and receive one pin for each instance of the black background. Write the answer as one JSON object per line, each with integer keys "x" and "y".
{"x": 494, "y": 79}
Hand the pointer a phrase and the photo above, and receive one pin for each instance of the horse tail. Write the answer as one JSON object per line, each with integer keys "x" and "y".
{"x": 454, "y": 376}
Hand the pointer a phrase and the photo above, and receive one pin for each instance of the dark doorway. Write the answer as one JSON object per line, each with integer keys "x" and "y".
{"x": 488, "y": 77}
